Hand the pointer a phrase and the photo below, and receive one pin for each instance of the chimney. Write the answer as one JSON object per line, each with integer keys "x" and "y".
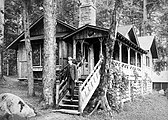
{"x": 87, "y": 13}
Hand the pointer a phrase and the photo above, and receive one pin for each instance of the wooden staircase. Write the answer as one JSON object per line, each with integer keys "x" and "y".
{"x": 68, "y": 106}
{"x": 83, "y": 91}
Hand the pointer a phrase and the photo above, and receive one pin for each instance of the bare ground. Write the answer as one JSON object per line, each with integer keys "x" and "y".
{"x": 148, "y": 107}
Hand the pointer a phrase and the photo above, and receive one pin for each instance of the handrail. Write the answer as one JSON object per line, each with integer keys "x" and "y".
{"x": 93, "y": 71}
{"x": 128, "y": 69}
{"x": 88, "y": 87}
{"x": 63, "y": 77}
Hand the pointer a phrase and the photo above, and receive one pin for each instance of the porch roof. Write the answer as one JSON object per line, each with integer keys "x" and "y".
{"x": 121, "y": 37}
{"x": 128, "y": 31}
{"x": 120, "y": 34}
{"x": 148, "y": 43}
{"x": 13, "y": 45}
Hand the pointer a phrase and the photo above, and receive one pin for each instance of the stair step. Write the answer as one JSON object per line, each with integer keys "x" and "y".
{"x": 76, "y": 88}
{"x": 81, "y": 79}
{"x": 68, "y": 96}
{"x": 68, "y": 106}
{"x": 68, "y": 101}
{"x": 67, "y": 111}
{"x": 76, "y": 92}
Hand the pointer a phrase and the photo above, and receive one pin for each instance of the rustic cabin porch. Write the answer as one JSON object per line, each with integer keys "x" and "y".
{"x": 87, "y": 46}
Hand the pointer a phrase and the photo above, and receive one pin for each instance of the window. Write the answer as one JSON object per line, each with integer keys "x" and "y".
{"x": 36, "y": 54}
{"x": 132, "y": 57}
{"x": 147, "y": 61}
{"x": 138, "y": 59}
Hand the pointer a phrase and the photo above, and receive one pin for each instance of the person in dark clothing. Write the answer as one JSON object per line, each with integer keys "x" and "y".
{"x": 73, "y": 76}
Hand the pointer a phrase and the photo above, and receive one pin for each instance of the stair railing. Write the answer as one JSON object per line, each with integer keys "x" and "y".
{"x": 63, "y": 86}
{"x": 87, "y": 88}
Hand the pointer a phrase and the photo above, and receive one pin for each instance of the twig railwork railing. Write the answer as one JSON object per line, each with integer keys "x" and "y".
{"x": 87, "y": 88}
{"x": 137, "y": 84}
{"x": 63, "y": 86}
{"x": 126, "y": 68}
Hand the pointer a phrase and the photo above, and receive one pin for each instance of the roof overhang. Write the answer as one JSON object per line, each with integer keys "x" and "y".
{"x": 130, "y": 43}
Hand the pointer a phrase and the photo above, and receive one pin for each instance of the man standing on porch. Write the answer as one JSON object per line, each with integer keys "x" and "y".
{"x": 72, "y": 77}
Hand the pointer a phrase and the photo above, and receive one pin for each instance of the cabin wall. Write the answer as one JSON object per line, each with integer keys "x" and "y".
{"x": 147, "y": 73}
{"x": 21, "y": 61}
{"x": 64, "y": 53}
{"x": 69, "y": 49}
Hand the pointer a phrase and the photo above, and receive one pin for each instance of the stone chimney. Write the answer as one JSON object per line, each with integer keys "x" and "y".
{"x": 87, "y": 12}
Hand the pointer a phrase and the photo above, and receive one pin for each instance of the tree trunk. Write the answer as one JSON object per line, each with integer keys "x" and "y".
{"x": 1, "y": 37}
{"x": 49, "y": 69}
{"x": 109, "y": 56}
{"x": 28, "y": 49}
{"x": 144, "y": 17}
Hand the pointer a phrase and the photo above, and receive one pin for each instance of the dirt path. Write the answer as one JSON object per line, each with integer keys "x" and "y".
{"x": 149, "y": 107}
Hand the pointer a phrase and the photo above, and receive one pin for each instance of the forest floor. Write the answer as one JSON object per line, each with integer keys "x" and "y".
{"x": 148, "y": 107}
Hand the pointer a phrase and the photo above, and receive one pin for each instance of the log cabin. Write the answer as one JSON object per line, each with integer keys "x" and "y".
{"x": 87, "y": 44}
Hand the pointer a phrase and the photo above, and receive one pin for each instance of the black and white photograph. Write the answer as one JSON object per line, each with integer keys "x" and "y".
{"x": 83, "y": 59}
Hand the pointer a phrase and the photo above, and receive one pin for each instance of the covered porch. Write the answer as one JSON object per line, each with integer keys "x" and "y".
{"x": 88, "y": 45}
{"x": 128, "y": 57}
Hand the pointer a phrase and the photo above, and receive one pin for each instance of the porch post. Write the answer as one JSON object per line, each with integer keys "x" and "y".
{"x": 83, "y": 56}
{"x": 128, "y": 48}
{"x": 57, "y": 93}
{"x": 40, "y": 56}
{"x": 60, "y": 52}
{"x": 74, "y": 48}
{"x": 120, "y": 53}
{"x": 82, "y": 41}
{"x": 101, "y": 46}
{"x": 136, "y": 58}
{"x": 141, "y": 60}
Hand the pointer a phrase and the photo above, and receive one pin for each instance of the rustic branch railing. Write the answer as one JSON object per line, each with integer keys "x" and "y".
{"x": 88, "y": 87}
{"x": 126, "y": 68}
{"x": 63, "y": 78}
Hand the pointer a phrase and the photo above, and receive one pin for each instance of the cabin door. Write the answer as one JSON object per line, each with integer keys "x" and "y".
{"x": 86, "y": 60}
